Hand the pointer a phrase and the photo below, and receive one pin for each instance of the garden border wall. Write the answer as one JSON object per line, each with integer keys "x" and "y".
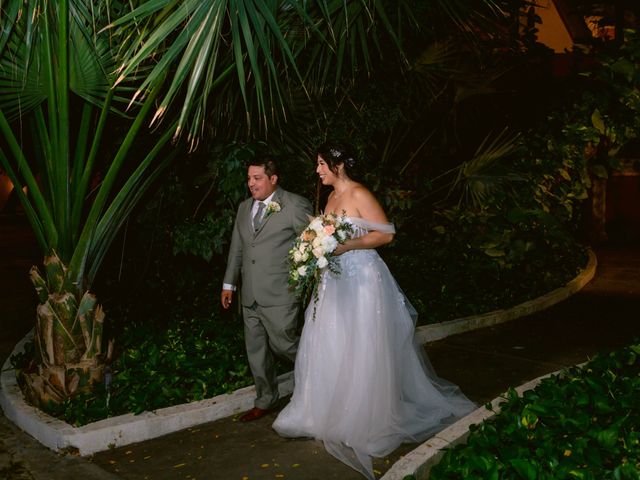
{"x": 438, "y": 331}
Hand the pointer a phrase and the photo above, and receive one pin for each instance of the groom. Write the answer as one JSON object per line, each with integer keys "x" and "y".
{"x": 265, "y": 228}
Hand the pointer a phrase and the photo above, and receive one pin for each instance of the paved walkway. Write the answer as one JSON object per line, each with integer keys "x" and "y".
{"x": 484, "y": 363}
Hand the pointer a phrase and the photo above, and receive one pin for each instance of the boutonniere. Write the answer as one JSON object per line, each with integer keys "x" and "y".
{"x": 272, "y": 207}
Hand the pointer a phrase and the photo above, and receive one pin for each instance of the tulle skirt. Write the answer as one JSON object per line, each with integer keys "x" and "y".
{"x": 362, "y": 384}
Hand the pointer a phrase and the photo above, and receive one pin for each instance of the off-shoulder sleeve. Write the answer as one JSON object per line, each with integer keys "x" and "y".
{"x": 373, "y": 226}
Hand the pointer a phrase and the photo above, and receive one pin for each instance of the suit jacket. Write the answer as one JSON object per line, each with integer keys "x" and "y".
{"x": 261, "y": 257}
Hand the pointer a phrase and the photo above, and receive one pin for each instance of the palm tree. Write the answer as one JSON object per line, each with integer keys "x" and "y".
{"x": 74, "y": 70}
{"x": 55, "y": 110}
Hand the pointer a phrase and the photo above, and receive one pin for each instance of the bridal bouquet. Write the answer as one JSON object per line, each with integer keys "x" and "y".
{"x": 312, "y": 251}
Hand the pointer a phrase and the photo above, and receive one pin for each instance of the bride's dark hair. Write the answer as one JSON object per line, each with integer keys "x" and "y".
{"x": 336, "y": 153}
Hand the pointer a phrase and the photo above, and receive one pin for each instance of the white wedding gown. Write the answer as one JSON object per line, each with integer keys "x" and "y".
{"x": 362, "y": 384}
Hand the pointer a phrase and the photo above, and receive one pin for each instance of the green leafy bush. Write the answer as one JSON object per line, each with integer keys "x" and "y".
{"x": 186, "y": 360}
{"x": 471, "y": 263}
{"x": 584, "y": 424}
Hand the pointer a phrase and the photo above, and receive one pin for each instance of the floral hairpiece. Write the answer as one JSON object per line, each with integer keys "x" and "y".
{"x": 349, "y": 161}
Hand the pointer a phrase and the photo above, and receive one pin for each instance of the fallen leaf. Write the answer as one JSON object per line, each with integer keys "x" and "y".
{"x": 180, "y": 465}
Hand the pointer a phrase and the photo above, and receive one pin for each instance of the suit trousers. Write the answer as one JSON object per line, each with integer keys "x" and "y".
{"x": 269, "y": 330}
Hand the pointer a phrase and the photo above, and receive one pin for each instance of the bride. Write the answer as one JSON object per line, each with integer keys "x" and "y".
{"x": 362, "y": 384}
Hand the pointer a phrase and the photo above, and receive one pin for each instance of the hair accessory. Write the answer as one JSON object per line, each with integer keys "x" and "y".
{"x": 335, "y": 153}
{"x": 349, "y": 162}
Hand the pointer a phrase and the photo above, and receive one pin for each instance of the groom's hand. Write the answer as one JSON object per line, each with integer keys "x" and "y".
{"x": 225, "y": 298}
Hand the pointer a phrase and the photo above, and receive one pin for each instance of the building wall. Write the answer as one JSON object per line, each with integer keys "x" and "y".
{"x": 552, "y": 32}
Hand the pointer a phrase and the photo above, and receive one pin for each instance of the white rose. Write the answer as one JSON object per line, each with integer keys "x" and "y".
{"x": 317, "y": 242}
{"x": 316, "y": 225}
{"x": 297, "y": 256}
{"x": 322, "y": 262}
{"x": 342, "y": 236}
{"x": 303, "y": 246}
{"x": 302, "y": 271}
{"x": 318, "y": 252}
{"x": 329, "y": 243}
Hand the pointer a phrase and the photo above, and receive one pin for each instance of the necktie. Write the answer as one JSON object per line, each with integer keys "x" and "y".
{"x": 257, "y": 218}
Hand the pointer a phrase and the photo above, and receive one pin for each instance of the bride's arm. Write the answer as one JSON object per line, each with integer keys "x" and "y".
{"x": 370, "y": 210}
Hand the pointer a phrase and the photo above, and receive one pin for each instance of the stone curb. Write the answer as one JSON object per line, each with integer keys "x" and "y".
{"x": 438, "y": 331}
{"x": 121, "y": 430}
{"x": 126, "y": 429}
{"x": 421, "y": 460}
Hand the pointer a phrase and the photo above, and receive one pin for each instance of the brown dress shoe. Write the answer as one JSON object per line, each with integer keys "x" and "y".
{"x": 254, "y": 414}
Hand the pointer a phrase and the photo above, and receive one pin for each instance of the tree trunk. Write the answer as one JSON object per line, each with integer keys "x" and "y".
{"x": 598, "y": 231}
{"x": 68, "y": 338}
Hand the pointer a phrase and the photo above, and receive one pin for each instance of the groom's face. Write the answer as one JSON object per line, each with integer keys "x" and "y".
{"x": 260, "y": 184}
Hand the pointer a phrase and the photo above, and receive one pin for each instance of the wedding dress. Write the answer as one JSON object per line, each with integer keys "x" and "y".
{"x": 362, "y": 384}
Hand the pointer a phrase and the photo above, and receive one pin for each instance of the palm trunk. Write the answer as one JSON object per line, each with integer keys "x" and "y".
{"x": 68, "y": 337}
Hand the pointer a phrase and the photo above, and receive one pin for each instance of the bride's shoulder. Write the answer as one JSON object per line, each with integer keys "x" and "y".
{"x": 362, "y": 196}
{"x": 359, "y": 189}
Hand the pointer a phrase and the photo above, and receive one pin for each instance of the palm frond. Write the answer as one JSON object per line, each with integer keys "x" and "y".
{"x": 477, "y": 178}
{"x": 8, "y": 21}
{"x": 123, "y": 203}
{"x": 89, "y": 66}
{"x": 23, "y": 84}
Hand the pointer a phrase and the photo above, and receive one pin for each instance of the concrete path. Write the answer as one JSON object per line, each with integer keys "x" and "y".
{"x": 484, "y": 363}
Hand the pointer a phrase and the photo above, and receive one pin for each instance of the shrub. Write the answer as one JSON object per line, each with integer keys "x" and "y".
{"x": 583, "y": 424}
{"x": 188, "y": 360}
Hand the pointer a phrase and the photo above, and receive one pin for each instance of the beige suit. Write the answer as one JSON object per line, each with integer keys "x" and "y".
{"x": 270, "y": 309}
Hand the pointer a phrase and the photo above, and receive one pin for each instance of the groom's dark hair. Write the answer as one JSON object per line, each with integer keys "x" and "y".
{"x": 270, "y": 165}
